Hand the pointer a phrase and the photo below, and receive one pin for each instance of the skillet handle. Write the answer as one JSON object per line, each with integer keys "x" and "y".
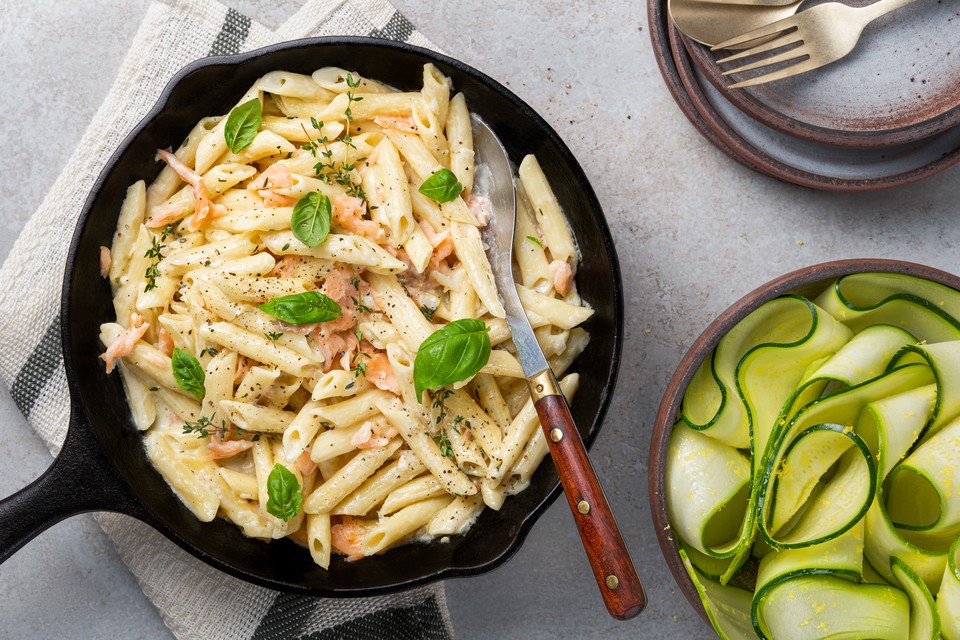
{"x": 81, "y": 479}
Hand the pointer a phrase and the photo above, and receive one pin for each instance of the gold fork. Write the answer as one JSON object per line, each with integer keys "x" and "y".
{"x": 824, "y": 33}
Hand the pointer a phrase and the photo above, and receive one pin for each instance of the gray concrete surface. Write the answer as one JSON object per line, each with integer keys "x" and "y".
{"x": 694, "y": 231}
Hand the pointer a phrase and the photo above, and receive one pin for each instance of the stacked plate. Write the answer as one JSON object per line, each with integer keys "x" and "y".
{"x": 886, "y": 115}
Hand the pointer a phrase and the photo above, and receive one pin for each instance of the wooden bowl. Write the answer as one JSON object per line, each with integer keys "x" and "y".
{"x": 808, "y": 282}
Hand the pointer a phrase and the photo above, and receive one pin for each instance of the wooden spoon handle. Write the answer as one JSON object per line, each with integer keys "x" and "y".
{"x": 608, "y": 555}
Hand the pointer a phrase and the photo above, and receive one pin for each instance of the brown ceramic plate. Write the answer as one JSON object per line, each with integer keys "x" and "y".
{"x": 780, "y": 155}
{"x": 808, "y": 281}
{"x": 899, "y": 86}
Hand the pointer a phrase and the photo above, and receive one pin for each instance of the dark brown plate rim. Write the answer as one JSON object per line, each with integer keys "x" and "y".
{"x": 748, "y": 102}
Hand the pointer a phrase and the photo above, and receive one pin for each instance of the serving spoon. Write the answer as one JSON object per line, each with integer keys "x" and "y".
{"x": 710, "y": 22}
{"x": 607, "y": 553}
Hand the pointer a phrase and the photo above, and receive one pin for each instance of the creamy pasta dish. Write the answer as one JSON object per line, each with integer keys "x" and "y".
{"x": 307, "y": 327}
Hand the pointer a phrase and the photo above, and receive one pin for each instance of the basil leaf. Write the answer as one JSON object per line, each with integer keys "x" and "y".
{"x": 442, "y": 186}
{"x": 453, "y": 353}
{"x": 188, "y": 373}
{"x": 311, "y": 219}
{"x": 242, "y": 125}
{"x": 284, "y": 493}
{"x": 303, "y": 308}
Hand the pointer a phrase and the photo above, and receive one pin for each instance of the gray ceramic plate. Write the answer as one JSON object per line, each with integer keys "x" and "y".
{"x": 783, "y": 156}
{"x": 899, "y": 86}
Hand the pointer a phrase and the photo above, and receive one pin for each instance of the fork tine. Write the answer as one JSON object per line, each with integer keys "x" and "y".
{"x": 760, "y": 32}
{"x": 786, "y": 72}
{"x": 786, "y": 56}
{"x": 783, "y": 41}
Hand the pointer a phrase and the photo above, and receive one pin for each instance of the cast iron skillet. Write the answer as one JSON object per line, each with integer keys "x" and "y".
{"x": 103, "y": 465}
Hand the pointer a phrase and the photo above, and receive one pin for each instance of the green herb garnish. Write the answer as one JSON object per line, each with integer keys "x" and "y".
{"x": 242, "y": 125}
{"x": 311, "y": 219}
{"x": 454, "y": 353}
{"x": 283, "y": 490}
{"x": 273, "y": 336}
{"x": 303, "y": 308}
{"x": 188, "y": 373}
{"x": 442, "y": 186}
{"x": 535, "y": 240}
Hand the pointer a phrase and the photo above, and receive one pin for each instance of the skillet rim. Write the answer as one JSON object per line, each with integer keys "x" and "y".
{"x": 526, "y": 522}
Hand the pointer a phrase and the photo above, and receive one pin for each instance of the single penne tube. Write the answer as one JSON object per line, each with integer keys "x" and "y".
{"x": 351, "y": 249}
{"x": 350, "y": 476}
{"x": 132, "y": 214}
{"x": 293, "y": 107}
{"x": 372, "y": 105}
{"x": 218, "y": 381}
{"x": 318, "y": 538}
{"x": 503, "y": 363}
{"x": 259, "y": 323}
{"x": 576, "y": 343}
{"x": 424, "y": 208}
{"x": 456, "y": 517}
{"x": 338, "y": 383}
{"x": 460, "y": 142}
{"x": 430, "y": 130}
{"x": 334, "y": 79}
{"x": 225, "y": 176}
{"x": 466, "y": 451}
{"x": 421, "y": 488}
{"x": 415, "y": 434}
{"x": 557, "y": 312}
{"x": 257, "y": 348}
{"x": 255, "y": 219}
{"x": 266, "y": 144}
{"x": 213, "y": 254}
{"x": 498, "y": 330}
{"x": 391, "y": 187}
{"x": 142, "y": 407}
{"x": 255, "y": 383}
{"x": 528, "y": 250}
{"x": 401, "y": 310}
{"x": 213, "y": 144}
{"x": 491, "y": 401}
{"x": 296, "y": 129}
{"x": 243, "y": 484}
{"x": 463, "y": 298}
{"x": 257, "y": 265}
{"x": 493, "y": 493}
{"x": 360, "y": 407}
{"x": 401, "y": 361}
{"x": 472, "y": 417}
{"x": 253, "y": 417}
{"x": 302, "y": 185}
{"x": 293, "y": 85}
{"x": 545, "y": 208}
{"x": 418, "y": 249}
{"x": 515, "y": 394}
{"x": 333, "y": 443}
{"x": 244, "y": 514}
{"x": 436, "y": 91}
{"x": 379, "y": 333}
{"x": 133, "y": 280}
{"x": 401, "y": 524}
{"x": 376, "y": 488}
{"x": 259, "y": 290}
{"x": 302, "y": 431}
{"x": 469, "y": 246}
{"x": 552, "y": 340}
{"x": 165, "y": 184}
{"x": 191, "y": 486}
{"x": 217, "y": 301}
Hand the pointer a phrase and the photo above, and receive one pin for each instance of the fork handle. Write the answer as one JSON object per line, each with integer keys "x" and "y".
{"x": 882, "y": 7}
{"x": 609, "y": 558}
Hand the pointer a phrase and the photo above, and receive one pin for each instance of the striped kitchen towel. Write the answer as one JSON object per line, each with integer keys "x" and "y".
{"x": 173, "y": 34}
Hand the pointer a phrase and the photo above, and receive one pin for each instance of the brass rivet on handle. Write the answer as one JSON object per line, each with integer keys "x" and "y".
{"x": 583, "y": 507}
{"x": 539, "y": 388}
{"x": 556, "y": 435}
{"x": 612, "y": 581}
